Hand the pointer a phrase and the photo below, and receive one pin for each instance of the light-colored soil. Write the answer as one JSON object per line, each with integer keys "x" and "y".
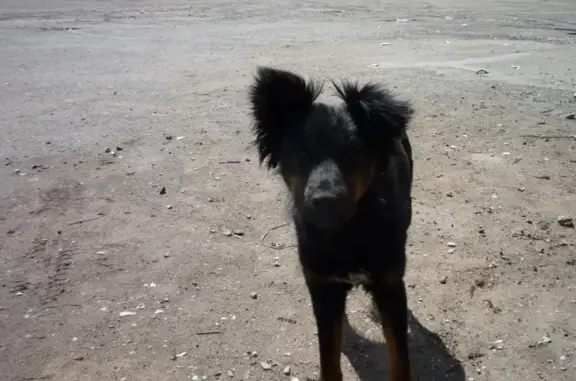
{"x": 86, "y": 235}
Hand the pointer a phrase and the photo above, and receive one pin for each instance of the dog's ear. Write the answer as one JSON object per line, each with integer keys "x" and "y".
{"x": 279, "y": 100}
{"x": 378, "y": 115}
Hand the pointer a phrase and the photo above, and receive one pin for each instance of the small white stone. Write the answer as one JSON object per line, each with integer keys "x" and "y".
{"x": 127, "y": 313}
{"x": 265, "y": 365}
{"x": 497, "y": 345}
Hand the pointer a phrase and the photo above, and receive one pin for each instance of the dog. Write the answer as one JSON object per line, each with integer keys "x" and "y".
{"x": 348, "y": 169}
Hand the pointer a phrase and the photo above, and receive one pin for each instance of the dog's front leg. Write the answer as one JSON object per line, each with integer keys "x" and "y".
{"x": 328, "y": 303}
{"x": 390, "y": 300}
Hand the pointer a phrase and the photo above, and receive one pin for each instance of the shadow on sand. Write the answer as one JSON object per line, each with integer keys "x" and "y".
{"x": 431, "y": 360}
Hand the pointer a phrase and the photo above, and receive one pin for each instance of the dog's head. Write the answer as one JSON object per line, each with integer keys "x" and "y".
{"x": 327, "y": 155}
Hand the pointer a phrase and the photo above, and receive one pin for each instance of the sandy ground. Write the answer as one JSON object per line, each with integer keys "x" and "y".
{"x": 106, "y": 276}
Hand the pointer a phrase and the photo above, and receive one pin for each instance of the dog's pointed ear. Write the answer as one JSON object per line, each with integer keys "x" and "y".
{"x": 279, "y": 99}
{"x": 378, "y": 115}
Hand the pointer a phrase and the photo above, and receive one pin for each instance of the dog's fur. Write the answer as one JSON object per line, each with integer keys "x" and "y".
{"x": 349, "y": 171}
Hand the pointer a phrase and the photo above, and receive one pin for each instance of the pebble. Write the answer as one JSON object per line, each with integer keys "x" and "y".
{"x": 163, "y": 190}
{"x": 571, "y": 116}
{"x": 475, "y": 355}
{"x": 239, "y": 232}
{"x": 254, "y": 295}
{"x": 497, "y": 345}
{"x": 544, "y": 341}
{"x": 482, "y": 71}
{"x": 127, "y": 313}
{"x": 182, "y": 354}
{"x": 169, "y": 206}
{"x": 444, "y": 280}
{"x": 227, "y": 232}
{"x": 230, "y": 373}
{"x": 451, "y": 244}
{"x": 265, "y": 365}
{"x": 566, "y": 222}
{"x": 287, "y": 371}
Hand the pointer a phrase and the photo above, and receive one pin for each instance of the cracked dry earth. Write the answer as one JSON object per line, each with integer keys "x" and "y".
{"x": 133, "y": 210}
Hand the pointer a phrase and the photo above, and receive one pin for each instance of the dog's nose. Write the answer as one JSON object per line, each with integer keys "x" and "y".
{"x": 325, "y": 203}
{"x": 326, "y": 209}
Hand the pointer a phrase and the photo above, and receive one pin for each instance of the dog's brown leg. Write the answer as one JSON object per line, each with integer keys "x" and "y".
{"x": 328, "y": 303}
{"x": 390, "y": 300}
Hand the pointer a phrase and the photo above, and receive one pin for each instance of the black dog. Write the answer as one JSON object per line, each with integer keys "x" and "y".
{"x": 349, "y": 170}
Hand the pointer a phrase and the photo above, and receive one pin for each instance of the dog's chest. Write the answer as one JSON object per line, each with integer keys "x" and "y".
{"x": 359, "y": 278}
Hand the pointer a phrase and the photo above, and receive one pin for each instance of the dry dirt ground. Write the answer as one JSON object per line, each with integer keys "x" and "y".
{"x": 106, "y": 276}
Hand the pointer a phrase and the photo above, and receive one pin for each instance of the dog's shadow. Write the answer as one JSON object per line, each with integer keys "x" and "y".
{"x": 430, "y": 358}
